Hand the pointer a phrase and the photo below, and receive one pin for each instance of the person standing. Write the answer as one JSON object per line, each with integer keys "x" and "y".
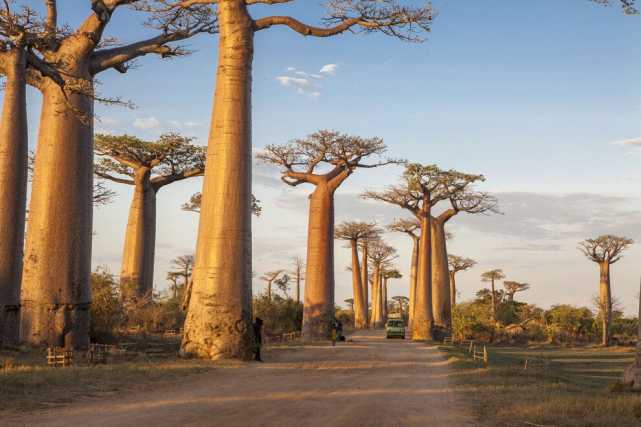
{"x": 258, "y": 337}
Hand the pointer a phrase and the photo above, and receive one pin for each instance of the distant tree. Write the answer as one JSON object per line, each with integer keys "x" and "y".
{"x": 325, "y": 160}
{"x": 183, "y": 266}
{"x": 403, "y": 304}
{"x": 512, "y": 287}
{"x": 382, "y": 256}
{"x": 492, "y": 276}
{"x": 354, "y": 232}
{"x": 605, "y": 250}
{"x": 350, "y": 303}
{"x": 298, "y": 275}
{"x": 411, "y": 227}
{"x": 456, "y": 264}
{"x": 388, "y": 273}
{"x": 148, "y": 167}
{"x": 421, "y": 188}
{"x": 269, "y": 278}
{"x": 282, "y": 284}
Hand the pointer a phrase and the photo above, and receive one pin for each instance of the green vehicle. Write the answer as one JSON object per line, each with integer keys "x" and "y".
{"x": 395, "y": 328}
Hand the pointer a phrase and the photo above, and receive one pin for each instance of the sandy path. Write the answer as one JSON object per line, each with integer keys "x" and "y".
{"x": 368, "y": 382}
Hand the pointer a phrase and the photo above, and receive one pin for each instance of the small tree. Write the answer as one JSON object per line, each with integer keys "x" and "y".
{"x": 350, "y": 303}
{"x": 605, "y": 250}
{"x": 106, "y": 308}
{"x": 512, "y": 287}
{"x": 382, "y": 256}
{"x": 389, "y": 273}
{"x": 298, "y": 275}
{"x": 148, "y": 167}
{"x": 325, "y": 160}
{"x": 492, "y": 276}
{"x": 456, "y": 264}
{"x": 269, "y": 278}
{"x": 354, "y": 232}
{"x": 403, "y": 304}
{"x": 411, "y": 227}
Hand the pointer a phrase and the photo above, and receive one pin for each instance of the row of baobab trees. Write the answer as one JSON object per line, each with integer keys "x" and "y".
{"x": 48, "y": 288}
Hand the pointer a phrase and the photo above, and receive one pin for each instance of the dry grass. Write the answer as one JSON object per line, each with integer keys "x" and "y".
{"x": 27, "y": 384}
{"x": 574, "y": 390}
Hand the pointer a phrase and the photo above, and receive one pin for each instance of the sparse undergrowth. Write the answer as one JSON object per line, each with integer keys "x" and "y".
{"x": 575, "y": 389}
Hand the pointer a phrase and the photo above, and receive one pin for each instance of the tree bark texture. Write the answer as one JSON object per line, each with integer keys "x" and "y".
{"x": 605, "y": 300}
{"x": 137, "y": 272}
{"x": 441, "y": 304}
{"x": 360, "y": 311}
{"x": 318, "y": 310}
{"x": 452, "y": 275}
{"x": 13, "y": 192}
{"x": 413, "y": 271}
{"x": 218, "y": 322}
{"x": 365, "y": 282}
{"x": 385, "y": 306}
{"x": 423, "y": 320}
{"x": 493, "y": 302}
{"x": 377, "y": 298}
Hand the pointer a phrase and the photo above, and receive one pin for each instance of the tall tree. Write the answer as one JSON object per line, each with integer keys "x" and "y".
{"x": 492, "y": 276}
{"x": 365, "y": 243}
{"x": 462, "y": 199}
{"x": 148, "y": 167}
{"x": 512, "y": 287}
{"x": 605, "y": 250}
{"x": 226, "y": 229}
{"x": 325, "y": 160}
{"x": 354, "y": 232}
{"x": 57, "y": 261}
{"x": 298, "y": 274}
{"x": 421, "y": 188}
{"x": 269, "y": 278}
{"x": 388, "y": 273}
{"x": 456, "y": 264}
{"x": 19, "y": 31}
{"x": 381, "y": 255}
{"x": 411, "y": 227}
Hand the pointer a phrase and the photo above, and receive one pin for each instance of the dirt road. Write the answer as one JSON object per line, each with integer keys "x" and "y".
{"x": 367, "y": 382}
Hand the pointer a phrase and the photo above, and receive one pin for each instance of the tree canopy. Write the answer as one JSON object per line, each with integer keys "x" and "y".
{"x": 605, "y": 249}
{"x": 458, "y": 263}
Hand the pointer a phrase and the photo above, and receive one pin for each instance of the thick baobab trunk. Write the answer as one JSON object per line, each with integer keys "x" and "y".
{"x": 384, "y": 298}
{"x": 13, "y": 192}
{"x": 413, "y": 271}
{"x": 56, "y": 287}
{"x": 218, "y": 322}
{"x": 441, "y": 304}
{"x": 360, "y": 311}
{"x": 318, "y": 310}
{"x": 423, "y": 320}
{"x": 365, "y": 283}
{"x": 377, "y": 298}
{"x": 452, "y": 275}
{"x": 493, "y": 302}
{"x": 605, "y": 300}
{"x": 137, "y": 272}
{"x": 298, "y": 288}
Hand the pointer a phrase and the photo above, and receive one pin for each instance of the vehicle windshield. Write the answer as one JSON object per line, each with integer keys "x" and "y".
{"x": 395, "y": 323}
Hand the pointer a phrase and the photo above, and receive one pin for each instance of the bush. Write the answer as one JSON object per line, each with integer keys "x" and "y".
{"x": 106, "y": 309}
{"x": 280, "y": 315}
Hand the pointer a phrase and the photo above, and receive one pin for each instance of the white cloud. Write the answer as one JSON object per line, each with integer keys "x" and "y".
{"x": 632, "y": 142}
{"x": 329, "y": 69}
{"x": 147, "y": 123}
{"x": 293, "y": 81}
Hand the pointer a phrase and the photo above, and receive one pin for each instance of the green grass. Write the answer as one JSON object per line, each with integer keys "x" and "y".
{"x": 573, "y": 390}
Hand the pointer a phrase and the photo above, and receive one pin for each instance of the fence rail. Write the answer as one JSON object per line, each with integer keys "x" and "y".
{"x": 286, "y": 337}
{"x": 57, "y": 356}
{"x": 477, "y": 353}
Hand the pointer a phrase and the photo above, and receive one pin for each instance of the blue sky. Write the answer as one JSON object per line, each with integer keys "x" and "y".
{"x": 532, "y": 94}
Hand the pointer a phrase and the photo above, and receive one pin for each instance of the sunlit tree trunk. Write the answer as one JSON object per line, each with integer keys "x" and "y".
{"x": 137, "y": 271}
{"x": 13, "y": 191}
{"x": 441, "y": 304}
{"x": 385, "y": 307}
{"x": 360, "y": 310}
{"x": 318, "y": 311}
{"x": 493, "y": 301}
{"x": 423, "y": 316}
{"x": 413, "y": 271}
{"x": 605, "y": 300}
{"x": 452, "y": 275}
{"x": 56, "y": 289}
{"x": 377, "y": 298}
{"x": 365, "y": 282}
{"x": 218, "y": 323}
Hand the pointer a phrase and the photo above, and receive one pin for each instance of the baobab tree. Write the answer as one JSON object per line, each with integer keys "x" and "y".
{"x": 269, "y": 278}
{"x": 512, "y": 287}
{"x": 492, "y": 276}
{"x": 350, "y": 303}
{"x": 411, "y": 227}
{"x": 183, "y": 267}
{"x": 388, "y": 273}
{"x": 225, "y": 215}
{"x": 148, "y": 167}
{"x": 381, "y": 255}
{"x": 403, "y": 304}
{"x": 421, "y": 188}
{"x": 462, "y": 199}
{"x": 325, "y": 160}
{"x": 456, "y": 264}
{"x": 605, "y": 250}
{"x": 365, "y": 243}
{"x": 354, "y": 232}
{"x": 57, "y": 261}
{"x": 298, "y": 275}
